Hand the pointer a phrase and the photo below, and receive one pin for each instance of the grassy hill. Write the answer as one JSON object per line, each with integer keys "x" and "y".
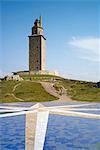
{"x": 25, "y": 91}
{"x": 81, "y": 90}
{"x": 30, "y": 90}
{"x": 40, "y": 77}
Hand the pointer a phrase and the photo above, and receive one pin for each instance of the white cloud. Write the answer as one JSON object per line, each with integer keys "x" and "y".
{"x": 95, "y": 58}
{"x": 1, "y": 73}
{"x": 89, "y": 47}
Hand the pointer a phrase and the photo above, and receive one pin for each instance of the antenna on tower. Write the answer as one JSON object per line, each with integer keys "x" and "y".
{"x": 40, "y": 21}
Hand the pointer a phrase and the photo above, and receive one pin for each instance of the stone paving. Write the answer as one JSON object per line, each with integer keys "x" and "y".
{"x": 37, "y": 118}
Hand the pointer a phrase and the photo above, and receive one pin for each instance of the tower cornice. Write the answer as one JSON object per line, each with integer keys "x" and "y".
{"x": 35, "y": 35}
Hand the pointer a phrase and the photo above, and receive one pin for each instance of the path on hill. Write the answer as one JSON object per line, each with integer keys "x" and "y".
{"x": 50, "y": 89}
{"x": 14, "y": 88}
{"x": 12, "y": 94}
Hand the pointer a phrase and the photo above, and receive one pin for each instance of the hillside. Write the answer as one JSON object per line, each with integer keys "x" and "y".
{"x": 82, "y": 90}
{"x": 31, "y": 90}
{"x": 24, "y": 91}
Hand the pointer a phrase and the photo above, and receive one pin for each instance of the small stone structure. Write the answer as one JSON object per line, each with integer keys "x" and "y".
{"x": 13, "y": 77}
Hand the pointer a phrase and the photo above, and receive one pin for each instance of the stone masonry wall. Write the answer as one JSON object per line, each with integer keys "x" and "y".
{"x": 36, "y": 53}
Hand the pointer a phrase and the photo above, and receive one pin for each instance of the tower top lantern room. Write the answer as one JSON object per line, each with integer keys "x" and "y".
{"x": 37, "y": 28}
{"x": 37, "y": 47}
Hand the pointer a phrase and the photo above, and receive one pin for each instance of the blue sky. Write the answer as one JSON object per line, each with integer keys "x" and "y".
{"x": 72, "y": 30}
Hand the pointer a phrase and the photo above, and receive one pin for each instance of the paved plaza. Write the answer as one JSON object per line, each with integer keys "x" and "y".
{"x": 36, "y": 123}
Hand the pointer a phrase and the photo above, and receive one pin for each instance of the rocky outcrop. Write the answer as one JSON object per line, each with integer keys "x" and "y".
{"x": 13, "y": 77}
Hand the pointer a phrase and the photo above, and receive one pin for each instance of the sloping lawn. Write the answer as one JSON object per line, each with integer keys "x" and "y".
{"x": 81, "y": 90}
{"x": 32, "y": 91}
{"x": 27, "y": 91}
{"x": 6, "y": 88}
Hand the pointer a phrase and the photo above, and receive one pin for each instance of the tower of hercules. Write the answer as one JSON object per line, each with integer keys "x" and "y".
{"x": 37, "y": 47}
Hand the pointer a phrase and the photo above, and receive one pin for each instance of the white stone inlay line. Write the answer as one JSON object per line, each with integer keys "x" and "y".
{"x": 13, "y": 108}
{"x": 16, "y": 113}
{"x": 70, "y": 106}
{"x": 73, "y": 113}
{"x": 41, "y": 126}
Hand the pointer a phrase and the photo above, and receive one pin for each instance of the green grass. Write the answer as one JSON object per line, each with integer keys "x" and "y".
{"x": 40, "y": 77}
{"x": 81, "y": 90}
{"x": 32, "y": 91}
{"x": 28, "y": 91}
{"x": 6, "y": 88}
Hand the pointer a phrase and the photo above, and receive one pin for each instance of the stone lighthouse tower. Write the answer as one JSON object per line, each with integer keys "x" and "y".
{"x": 37, "y": 47}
